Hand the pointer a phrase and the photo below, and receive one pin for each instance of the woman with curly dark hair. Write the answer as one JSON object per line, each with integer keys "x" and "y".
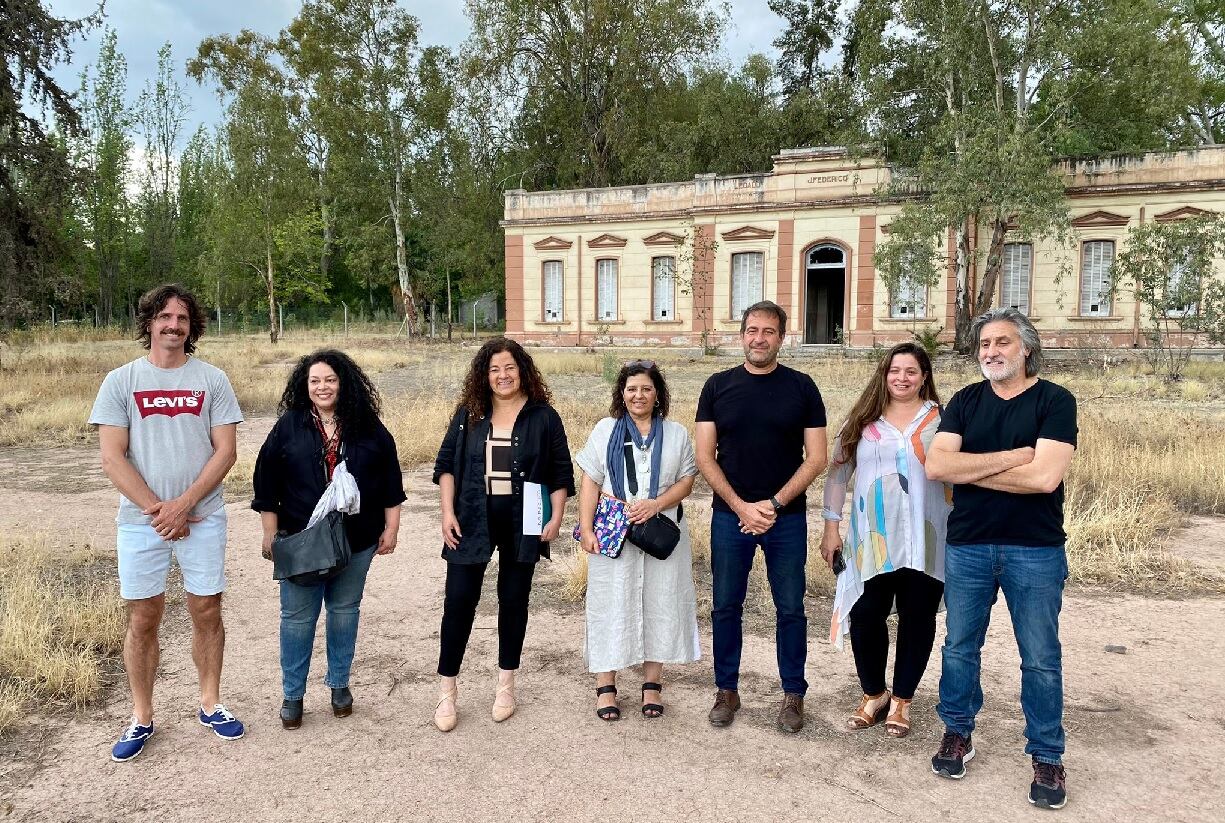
{"x": 328, "y": 413}
{"x": 504, "y": 451}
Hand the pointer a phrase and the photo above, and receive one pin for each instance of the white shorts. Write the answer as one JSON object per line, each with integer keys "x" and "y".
{"x": 144, "y": 558}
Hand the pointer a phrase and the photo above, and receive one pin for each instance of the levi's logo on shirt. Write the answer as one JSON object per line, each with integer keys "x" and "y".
{"x": 169, "y": 402}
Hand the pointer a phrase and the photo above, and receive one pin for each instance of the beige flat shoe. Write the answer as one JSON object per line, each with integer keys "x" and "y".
{"x": 501, "y": 713}
{"x": 446, "y": 722}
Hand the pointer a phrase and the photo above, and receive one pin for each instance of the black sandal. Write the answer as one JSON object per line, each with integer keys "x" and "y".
{"x": 652, "y": 710}
{"x": 608, "y": 713}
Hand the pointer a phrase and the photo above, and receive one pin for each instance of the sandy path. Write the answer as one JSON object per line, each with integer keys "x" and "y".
{"x": 1144, "y": 728}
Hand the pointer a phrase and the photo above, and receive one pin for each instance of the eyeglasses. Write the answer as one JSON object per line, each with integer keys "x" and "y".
{"x": 646, "y": 364}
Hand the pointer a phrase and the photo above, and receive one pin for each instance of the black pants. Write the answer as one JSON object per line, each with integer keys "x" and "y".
{"x": 918, "y": 598}
{"x": 463, "y": 593}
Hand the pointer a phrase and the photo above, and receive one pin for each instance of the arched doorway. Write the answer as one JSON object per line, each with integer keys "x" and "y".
{"x": 825, "y": 293}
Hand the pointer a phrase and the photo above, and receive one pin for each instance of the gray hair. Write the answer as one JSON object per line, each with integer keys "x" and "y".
{"x": 765, "y": 307}
{"x": 1025, "y": 328}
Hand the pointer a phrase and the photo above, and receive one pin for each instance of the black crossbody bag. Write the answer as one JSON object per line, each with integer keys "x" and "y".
{"x": 313, "y": 555}
{"x": 659, "y": 535}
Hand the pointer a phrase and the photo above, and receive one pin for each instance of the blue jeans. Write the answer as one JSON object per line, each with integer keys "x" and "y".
{"x": 300, "y": 613}
{"x": 785, "y": 547}
{"x": 1032, "y": 579}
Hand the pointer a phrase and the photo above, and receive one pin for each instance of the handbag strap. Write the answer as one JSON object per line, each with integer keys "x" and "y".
{"x": 631, "y": 474}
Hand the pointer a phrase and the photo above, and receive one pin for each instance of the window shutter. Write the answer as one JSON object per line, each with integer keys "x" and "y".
{"x": 1016, "y": 274}
{"x": 1096, "y": 260}
{"x": 663, "y": 269}
{"x": 606, "y": 272}
{"x": 553, "y": 292}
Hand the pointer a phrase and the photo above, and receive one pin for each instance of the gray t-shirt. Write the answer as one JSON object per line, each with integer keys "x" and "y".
{"x": 169, "y": 415}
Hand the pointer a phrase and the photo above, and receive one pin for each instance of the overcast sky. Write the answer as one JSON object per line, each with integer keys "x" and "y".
{"x": 144, "y": 25}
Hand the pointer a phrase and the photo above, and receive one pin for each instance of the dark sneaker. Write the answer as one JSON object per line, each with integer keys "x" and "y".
{"x": 131, "y": 742}
{"x": 727, "y": 703}
{"x": 955, "y": 752}
{"x": 224, "y": 724}
{"x": 1049, "y": 789}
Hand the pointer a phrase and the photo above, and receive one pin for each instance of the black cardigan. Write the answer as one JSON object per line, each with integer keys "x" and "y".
{"x": 539, "y": 454}
{"x": 289, "y": 476}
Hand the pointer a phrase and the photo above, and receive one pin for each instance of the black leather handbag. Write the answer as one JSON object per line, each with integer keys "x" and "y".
{"x": 312, "y": 555}
{"x": 659, "y": 535}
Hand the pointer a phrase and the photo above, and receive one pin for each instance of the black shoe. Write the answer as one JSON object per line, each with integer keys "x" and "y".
{"x": 608, "y": 713}
{"x": 1049, "y": 789}
{"x": 342, "y": 702}
{"x": 291, "y": 714}
{"x": 955, "y": 752}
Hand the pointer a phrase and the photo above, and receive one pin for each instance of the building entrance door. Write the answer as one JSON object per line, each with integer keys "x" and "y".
{"x": 825, "y": 293}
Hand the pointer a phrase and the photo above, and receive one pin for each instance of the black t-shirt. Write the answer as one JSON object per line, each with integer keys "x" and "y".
{"x": 987, "y": 423}
{"x": 759, "y": 421}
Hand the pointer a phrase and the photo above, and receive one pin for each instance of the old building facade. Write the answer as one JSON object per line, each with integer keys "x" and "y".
{"x": 673, "y": 264}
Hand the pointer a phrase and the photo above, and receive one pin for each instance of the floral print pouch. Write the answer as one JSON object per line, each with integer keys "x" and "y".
{"x": 611, "y": 524}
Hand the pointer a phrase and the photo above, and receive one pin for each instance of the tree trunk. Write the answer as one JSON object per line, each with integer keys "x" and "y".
{"x": 406, "y": 288}
{"x": 961, "y": 338}
{"x": 325, "y": 256}
{"x": 991, "y": 270}
{"x": 270, "y": 283}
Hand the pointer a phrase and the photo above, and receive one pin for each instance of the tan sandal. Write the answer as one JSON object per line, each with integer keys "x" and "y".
{"x": 898, "y": 724}
{"x": 501, "y": 713}
{"x": 860, "y": 719}
{"x": 447, "y": 722}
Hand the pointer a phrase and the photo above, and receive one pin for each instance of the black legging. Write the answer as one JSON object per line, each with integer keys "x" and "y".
{"x": 918, "y": 598}
{"x": 463, "y": 593}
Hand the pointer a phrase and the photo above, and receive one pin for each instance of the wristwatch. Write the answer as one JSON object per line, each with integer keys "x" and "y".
{"x": 777, "y": 505}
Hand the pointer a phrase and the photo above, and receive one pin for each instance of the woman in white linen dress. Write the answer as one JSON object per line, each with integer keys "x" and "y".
{"x": 639, "y": 609}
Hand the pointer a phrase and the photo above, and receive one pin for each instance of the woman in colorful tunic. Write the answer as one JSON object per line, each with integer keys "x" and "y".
{"x": 639, "y": 609}
{"x": 894, "y": 550}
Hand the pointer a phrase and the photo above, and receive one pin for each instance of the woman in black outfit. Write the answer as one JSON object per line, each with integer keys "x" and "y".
{"x": 328, "y": 413}
{"x": 505, "y": 440}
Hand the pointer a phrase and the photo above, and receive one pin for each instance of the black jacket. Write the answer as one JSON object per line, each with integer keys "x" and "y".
{"x": 539, "y": 454}
{"x": 290, "y": 476}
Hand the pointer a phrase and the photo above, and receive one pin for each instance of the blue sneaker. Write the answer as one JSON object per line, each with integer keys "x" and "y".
{"x": 224, "y": 724}
{"x": 131, "y": 742}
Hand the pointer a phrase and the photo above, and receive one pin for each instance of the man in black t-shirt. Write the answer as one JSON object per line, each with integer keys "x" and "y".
{"x": 760, "y": 444}
{"x": 1005, "y": 444}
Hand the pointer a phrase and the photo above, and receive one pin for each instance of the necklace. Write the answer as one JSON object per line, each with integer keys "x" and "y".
{"x": 327, "y": 421}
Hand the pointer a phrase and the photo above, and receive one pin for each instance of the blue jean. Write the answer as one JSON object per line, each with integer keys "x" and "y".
{"x": 785, "y": 547}
{"x": 300, "y": 607}
{"x": 1032, "y": 579}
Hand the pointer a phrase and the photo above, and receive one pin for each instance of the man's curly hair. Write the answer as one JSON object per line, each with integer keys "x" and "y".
{"x": 357, "y": 407}
{"x": 477, "y": 396}
{"x": 154, "y": 300}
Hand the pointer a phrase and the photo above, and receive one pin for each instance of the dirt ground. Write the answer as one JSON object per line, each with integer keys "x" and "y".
{"x": 1144, "y": 727}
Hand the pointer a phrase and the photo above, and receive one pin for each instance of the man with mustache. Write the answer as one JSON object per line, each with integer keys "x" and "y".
{"x": 167, "y": 426}
{"x": 1005, "y": 444}
{"x": 760, "y": 442}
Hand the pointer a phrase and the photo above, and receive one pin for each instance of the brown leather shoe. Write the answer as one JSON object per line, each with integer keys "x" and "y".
{"x": 727, "y": 703}
{"x": 791, "y": 715}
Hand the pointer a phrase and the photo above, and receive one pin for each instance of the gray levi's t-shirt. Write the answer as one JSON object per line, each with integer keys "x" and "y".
{"x": 169, "y": 415}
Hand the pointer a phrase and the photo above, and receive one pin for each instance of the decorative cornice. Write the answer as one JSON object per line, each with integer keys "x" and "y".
{"x": 747, "y": 233}
{"x": 1099, "y": 218}
{"x": 663, "y": 238}
{"x": 552, "y": 243}
{"x": 606, "y": 241}
{"x": 1181, "y": 213}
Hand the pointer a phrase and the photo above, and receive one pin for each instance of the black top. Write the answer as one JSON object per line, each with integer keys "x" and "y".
{"x": 988, "y": 423}
{"x": 290, "y": 476}
{"x": 540, "y": 454}
{"x": 759, "y": 422}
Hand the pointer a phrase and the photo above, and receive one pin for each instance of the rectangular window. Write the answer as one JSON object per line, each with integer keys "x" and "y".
{"x": 747, "y": 281}
{"x": 663, "y": 277}
{"x": 1096, "y": 258}
{"x": 606, "y": 290}
{"x": 1179, "y": 290}
{"x": 1015, "y": 276}
{"x": 909, "y": 301}
{"x": 553, "y": 291}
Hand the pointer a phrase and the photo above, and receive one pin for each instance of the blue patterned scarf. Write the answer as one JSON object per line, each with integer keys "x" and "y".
{"x": 623, "y": 430}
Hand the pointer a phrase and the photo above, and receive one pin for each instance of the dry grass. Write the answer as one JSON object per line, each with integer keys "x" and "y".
{"x": 59, "y": 625}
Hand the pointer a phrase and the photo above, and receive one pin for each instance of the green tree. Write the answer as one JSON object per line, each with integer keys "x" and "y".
{"x": 161, "y": 112}
{"x": 812, "y": 27}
